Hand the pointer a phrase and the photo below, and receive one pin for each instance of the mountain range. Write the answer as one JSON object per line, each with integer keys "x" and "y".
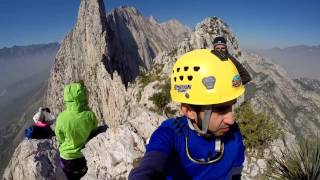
{"x": 24, "y": 72}
{"x": 124, "y": 58}
{"x": 298, "y": 61}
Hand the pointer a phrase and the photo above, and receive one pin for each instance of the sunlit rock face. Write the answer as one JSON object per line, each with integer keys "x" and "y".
{"x": 108, "y": 52}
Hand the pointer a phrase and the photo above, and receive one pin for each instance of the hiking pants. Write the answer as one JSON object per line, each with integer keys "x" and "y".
{"x": 74, "y": 169}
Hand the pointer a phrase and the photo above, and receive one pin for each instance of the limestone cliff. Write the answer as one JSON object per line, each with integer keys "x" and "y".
{"x": 135, "y": 40}
{"x": 108, "y": 53}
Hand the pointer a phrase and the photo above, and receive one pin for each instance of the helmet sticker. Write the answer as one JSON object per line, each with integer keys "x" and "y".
{"x": 236, "y": 81}
{"x": 209, "y": 82}
{"x": 182, "y": 88}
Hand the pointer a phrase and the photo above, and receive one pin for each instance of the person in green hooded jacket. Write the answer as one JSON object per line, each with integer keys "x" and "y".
{"x": 73, "y": 128}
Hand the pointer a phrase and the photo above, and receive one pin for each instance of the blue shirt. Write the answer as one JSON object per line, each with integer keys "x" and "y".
{"x": 170, "y": 139}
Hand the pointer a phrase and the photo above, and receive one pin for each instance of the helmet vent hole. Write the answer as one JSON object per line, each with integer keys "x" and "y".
{"x": 181, "y": 78}
{"x": 175, "y": 79}
{"x": 196, "y": 68}
{"x": 172, "y": 71}
{"x": 186, "y": 68}
{"x": 178, "y": 69}
{"x": 190, "y": 78}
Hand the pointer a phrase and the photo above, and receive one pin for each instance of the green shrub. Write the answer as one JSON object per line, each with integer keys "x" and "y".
{"x": 153, "y": 75}
{"x": 173, "y": 52}
{"x": 139, "y": 95}
{"x": 257, "y": 130}
{"x": 299, "y": 162}
{"x": 147, "y": 78}
{"x": 170, "y": 112}
{"x": 162, "y": 98}
{"x": 158, "y": 68}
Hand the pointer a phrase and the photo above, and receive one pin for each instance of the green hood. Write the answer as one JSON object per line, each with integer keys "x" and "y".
{"x": 75, "y": 97}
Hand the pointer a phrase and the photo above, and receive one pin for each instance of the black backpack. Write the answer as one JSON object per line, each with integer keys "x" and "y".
{"x": 35, "y": 132}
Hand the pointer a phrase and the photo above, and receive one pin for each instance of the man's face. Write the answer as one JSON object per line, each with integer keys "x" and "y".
{"x": 220, "y": 48}
{"x": 220, "y": 121}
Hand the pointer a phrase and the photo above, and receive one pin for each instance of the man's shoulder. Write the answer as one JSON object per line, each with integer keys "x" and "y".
{"x": 165, "y": 136}
{"x": 235, "y": 127}
{"x": 235, "y": 133}
{"x": 175, "y": 123}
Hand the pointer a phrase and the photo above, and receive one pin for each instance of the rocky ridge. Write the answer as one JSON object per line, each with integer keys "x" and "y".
{"x": 135, "y": 40}
{"x": 272, "y": 92}
{"x": 35, "y": 159}
{"x": 86, "y": 54}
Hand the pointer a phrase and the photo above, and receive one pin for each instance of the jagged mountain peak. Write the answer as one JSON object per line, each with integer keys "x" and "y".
{"x": 129, "y": 12}
{"x": 135, "y": 40}
{"x": 153, "y": 20}
{"x": 108, "y": 52}
{"x": 204, "y": 34}
{"x": 213, "y": 20}
{"x": 126, "y": 9}
{"x": 91, "y": 15}
{"x": 173, "y": 22}
{"x": 176, "y": 27}
{"x": 82, "y": 54}
{"x": 102, "y": 49}
{"x": 216, "y": 26}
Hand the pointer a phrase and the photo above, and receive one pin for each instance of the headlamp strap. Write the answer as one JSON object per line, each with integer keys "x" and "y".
{"x": 206, "y": 120}
{"x": 217, "y": 147}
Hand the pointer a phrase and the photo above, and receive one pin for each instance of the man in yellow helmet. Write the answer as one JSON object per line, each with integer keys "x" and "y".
{"x": 205, "y": 143}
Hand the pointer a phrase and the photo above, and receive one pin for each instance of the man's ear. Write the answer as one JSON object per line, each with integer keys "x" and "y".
{"x": 188, "y": 111}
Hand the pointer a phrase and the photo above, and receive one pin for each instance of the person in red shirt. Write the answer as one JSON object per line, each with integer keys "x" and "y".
{"x": 43, "y": 117}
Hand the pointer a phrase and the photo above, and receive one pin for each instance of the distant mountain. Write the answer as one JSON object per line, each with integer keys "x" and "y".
{"x": 24, "y": 71}
{"x": 107, "y": 51}
{"x": 133, "y": 48}
{"x": 22, "y": 68}
{"x": 298, "y": 61}
{"x": 18, "y": 51}
{"x": 19, "y": 90}
{"x": 16, "y": 116}
{"x": 309, "y": 84}
{"x": 20, "y": 62}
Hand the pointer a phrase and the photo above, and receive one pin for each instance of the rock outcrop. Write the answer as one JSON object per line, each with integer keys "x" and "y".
{"x": 107, "y": 53}
{"x": 309, "y": 85}
{"x": 35, "y": 159}
{"x": 135, "y": 40}
{"x": 272, "y": 92}
{"x": 83, "y": 57}
{"x": 111, "y": 155}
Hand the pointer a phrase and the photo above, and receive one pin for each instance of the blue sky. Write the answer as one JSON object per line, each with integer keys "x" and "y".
{"x": 256, "y": 23}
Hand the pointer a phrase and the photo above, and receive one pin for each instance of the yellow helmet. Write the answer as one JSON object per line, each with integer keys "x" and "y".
{"x": 199, "y": 77}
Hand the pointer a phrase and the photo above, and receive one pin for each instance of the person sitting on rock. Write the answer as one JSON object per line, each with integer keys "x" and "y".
{"x": 220, "y": 50}
{"x": 43, "y": 117}
{"x": 73, "y": 127}
{"x": 205, "y": 143}
{"x": 41, "y": 128}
